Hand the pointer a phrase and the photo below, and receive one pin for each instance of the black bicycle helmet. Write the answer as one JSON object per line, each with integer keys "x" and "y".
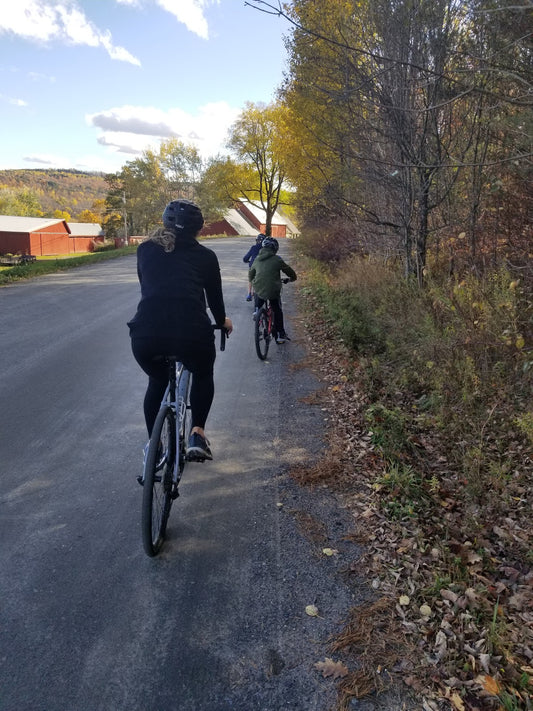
{"x": 260, "y": 237}
{"x": 270, "y": 243}
{"x": 183, "y": 215}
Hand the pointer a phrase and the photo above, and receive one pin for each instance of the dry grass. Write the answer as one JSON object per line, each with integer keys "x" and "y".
{"x": 444, "y": 513}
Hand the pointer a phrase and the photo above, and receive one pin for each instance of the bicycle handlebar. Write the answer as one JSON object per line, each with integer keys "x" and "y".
{"x": 223, "y": 336}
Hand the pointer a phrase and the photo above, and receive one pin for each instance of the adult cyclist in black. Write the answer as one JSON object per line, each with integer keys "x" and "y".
{"x": 177, "y": 274}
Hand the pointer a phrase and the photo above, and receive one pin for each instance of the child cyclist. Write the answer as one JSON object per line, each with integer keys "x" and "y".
{"x": 249, "y": 258}
{"x": 266, "y": 279}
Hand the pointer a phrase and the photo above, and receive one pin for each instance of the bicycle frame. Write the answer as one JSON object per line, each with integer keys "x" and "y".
{"x": 270, "y": 317}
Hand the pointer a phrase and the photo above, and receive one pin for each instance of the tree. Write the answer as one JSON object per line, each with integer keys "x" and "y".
{"x": 89, "y": 216}
{"x": 182, "y": 166}
{"x": 255, "y": 139}
{"x": 219, "y": 188}
{"x": 21, "y": 202}
{"x": 142, "y": 188}
{"x": 62, "y": 215}
{"x": 397, "y": 110}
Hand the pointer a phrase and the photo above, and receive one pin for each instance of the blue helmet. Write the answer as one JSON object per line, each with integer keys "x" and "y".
{"x": 259, "y": 239}
{"x": 270, "y": 243}
{"x": 183, "y": 215}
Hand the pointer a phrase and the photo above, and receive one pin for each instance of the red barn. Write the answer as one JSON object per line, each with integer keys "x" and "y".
{"x": 45, "y": 237}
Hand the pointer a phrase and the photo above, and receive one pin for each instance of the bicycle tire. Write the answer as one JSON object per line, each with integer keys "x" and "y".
{"x": 262, "y": 334}
{"x": 157, "y": 490}
{"x": 185, "y": 415}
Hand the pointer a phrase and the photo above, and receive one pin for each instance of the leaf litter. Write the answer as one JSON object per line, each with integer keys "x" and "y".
{"x": 452, "y": 614}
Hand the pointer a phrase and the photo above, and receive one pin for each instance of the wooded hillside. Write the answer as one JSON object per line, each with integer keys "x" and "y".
{"x": 71, "y": 191}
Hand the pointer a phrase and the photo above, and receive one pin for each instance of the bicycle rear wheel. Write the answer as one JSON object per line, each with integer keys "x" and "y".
{"x": 157, "y": 491}
{"x": 262, "y": 333}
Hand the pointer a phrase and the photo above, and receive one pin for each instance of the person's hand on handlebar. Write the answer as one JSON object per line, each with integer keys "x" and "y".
{"x": 228, "y": 325}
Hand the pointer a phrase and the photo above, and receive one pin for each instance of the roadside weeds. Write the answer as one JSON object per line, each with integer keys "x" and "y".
{"x": 451, "y": 614}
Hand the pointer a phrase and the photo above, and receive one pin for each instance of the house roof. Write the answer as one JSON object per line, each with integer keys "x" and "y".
{"x": 12, "y": 223}
{"x": 85, "y": 229}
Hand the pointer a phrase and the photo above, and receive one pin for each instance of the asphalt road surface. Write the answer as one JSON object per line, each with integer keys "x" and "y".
{"x": 217, "y": 621}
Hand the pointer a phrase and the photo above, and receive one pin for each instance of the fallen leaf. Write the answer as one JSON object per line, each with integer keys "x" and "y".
{"x": 457, "y": 701}
{"x": 329, "y": 551}
{"x": 474, "y": 558}
{"x": 484, "y": 660}
{"x": 449, "y": 595}
{"x": 489, "y": 683}
{"x": 330, "y": 668}
{"x": 311, "y": 610}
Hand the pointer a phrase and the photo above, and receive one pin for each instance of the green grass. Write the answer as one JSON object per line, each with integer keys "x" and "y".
{"x": 51, "y": 265}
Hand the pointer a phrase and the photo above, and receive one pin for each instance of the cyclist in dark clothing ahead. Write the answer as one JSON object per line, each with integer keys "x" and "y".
{"x": 177, "y": 274}
{"x": 249, "y": 257}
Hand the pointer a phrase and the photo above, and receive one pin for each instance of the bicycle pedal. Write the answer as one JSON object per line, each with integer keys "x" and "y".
{"x": 195, "y": 458}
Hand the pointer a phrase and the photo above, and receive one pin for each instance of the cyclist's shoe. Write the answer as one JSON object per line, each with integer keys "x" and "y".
{"x": 249, "y": 297}
{"x": 254, "y": 315}
{"x": 198, "y": 448}
{"x": 282, "y": 338}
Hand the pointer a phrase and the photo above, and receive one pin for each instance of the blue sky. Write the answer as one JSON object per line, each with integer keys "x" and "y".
{"x": 89, "y": 84}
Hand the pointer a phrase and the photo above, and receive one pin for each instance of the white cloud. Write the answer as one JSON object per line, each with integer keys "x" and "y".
{"x": 47, "y": 21}
{"x": 38, "y": 77}
{"x": 46, "y": 159}
{"x": 85, "y": 162}
{"x": 132, "y": 129}
{"x": 11, "y": 100}
{"x": 190, "y": 13}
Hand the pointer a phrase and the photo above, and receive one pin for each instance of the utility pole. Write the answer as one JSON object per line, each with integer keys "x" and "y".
{"x": 125, "y": 217}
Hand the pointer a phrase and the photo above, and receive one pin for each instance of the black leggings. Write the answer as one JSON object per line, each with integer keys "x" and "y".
{"x": 199, "y": 358}
{"x": 278, "y": 325}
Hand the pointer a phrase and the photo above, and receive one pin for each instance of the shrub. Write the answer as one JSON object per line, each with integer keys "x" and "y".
{"x": 455, "y": 355}
{"x": 105, "y": 246}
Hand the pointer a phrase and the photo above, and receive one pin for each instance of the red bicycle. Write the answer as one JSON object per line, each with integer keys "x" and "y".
{"x": 264, "y": 326}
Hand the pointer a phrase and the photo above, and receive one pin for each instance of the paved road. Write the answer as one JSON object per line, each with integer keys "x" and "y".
{"x": 88, "y": 622}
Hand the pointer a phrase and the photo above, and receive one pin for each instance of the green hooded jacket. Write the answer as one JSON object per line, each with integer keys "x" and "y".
{"x": 265, "y": 274}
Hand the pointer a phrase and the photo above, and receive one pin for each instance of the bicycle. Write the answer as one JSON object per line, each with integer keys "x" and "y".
{"x": 264, "y": 322}
{"x": 166, "y": 454}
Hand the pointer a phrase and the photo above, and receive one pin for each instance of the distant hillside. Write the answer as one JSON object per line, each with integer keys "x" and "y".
{"x": 69, "y": 190}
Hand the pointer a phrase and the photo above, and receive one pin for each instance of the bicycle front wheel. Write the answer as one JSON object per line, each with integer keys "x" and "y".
{"x": 262, "y": 333}
{"x": 157, "y": 491}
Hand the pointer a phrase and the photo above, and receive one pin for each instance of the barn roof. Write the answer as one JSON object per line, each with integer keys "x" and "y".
{"x": 85, "y": 229}
{"x": 239, "y": 222}
{"x": 260, "y": 214}
{"x": 12, "y": 223}
{"x": 278, "y": 219}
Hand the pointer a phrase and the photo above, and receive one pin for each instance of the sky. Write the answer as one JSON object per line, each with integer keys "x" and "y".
{"x": 90, "y": 84}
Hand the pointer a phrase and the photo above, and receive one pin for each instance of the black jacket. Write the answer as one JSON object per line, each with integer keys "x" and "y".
{"x": 174, "y": 287}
